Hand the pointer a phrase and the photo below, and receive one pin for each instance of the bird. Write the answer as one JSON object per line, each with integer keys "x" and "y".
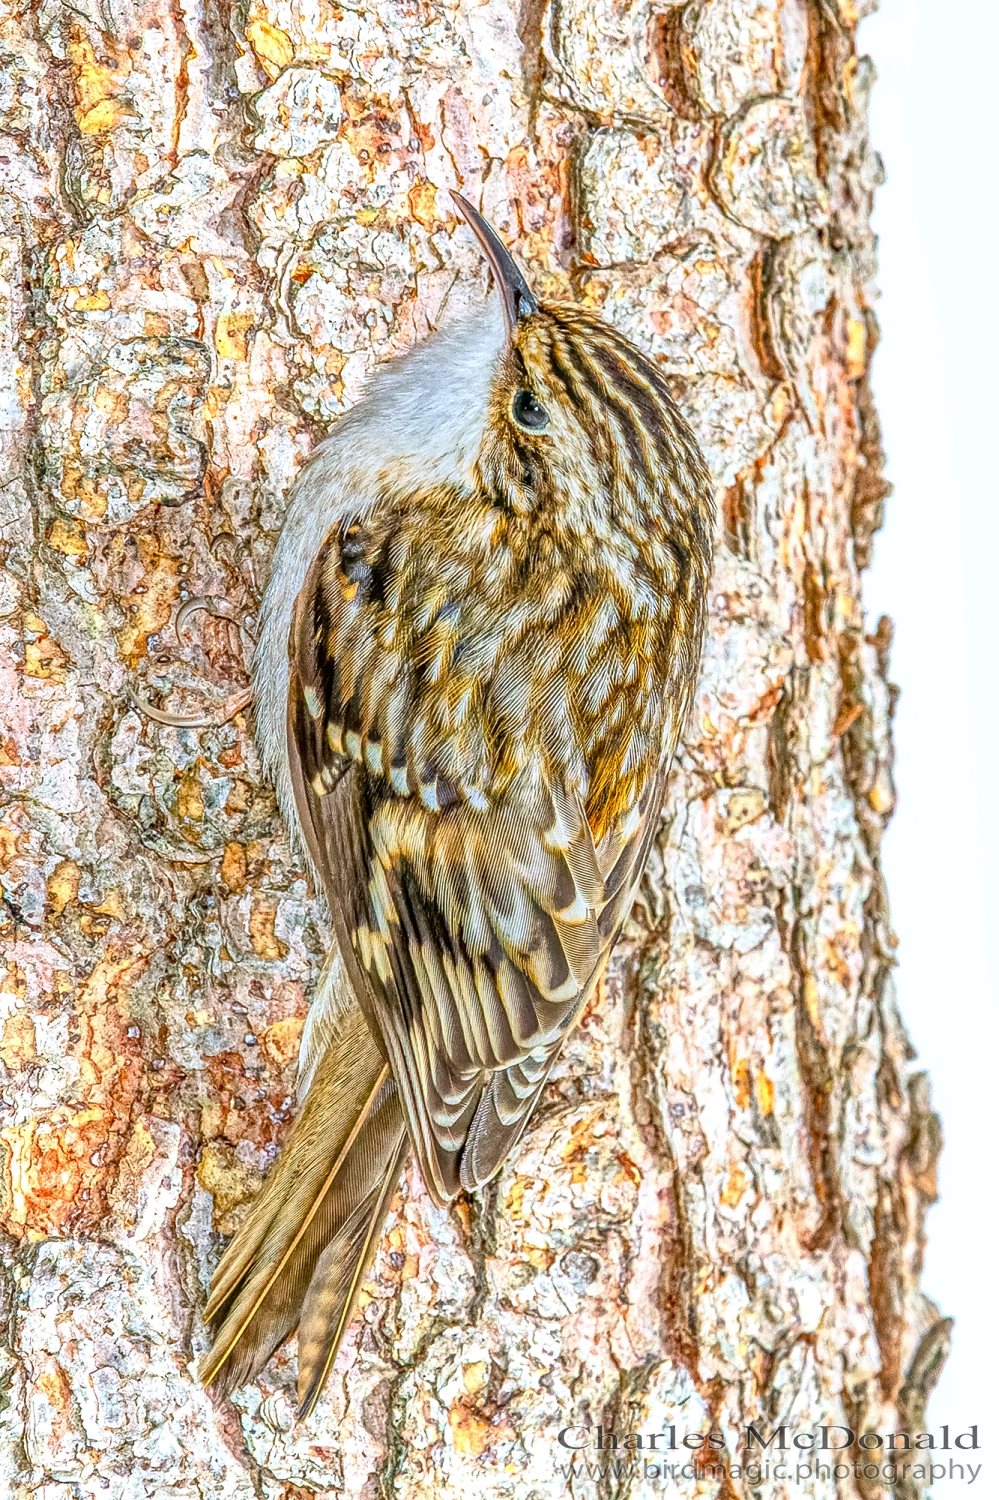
{"x": 478, "y": 649}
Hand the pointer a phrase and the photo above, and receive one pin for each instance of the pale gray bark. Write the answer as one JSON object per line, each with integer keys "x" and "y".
{"x": 216, "y": 221}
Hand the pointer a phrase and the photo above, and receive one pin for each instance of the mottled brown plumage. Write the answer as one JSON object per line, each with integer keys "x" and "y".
{"x": 492, "y": 636}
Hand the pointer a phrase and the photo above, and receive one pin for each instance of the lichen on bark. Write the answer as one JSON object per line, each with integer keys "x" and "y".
{"x": 217, "y": 219}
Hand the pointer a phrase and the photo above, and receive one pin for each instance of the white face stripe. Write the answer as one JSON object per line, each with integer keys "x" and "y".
{"x": 421, "y": 420}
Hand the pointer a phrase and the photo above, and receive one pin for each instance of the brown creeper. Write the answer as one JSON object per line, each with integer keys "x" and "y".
{"x": 478, "y": 648}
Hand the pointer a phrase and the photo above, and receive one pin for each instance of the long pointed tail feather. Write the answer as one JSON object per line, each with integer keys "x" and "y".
{"x": 329, "y": 1301}
{"x": 302, "y": 1253}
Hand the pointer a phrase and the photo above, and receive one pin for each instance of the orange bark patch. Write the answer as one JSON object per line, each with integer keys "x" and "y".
{"x": 274, "y": 48}
{"x": 470, "y": 1429}
{"x": 60, "y": 1166}
{"x": 265, "y": 943}
{"x": 764, "y": 1092}
{"x": 423, "y": 204}
{"x": 234, "y": 867}
{"x": 229, "y": 1181}
{"x": 232, "y": 334}
{"x": 67, "y": 535}
{"x": 734, "y": 1187}
{"x": 190, "y": 797}
{"x": 98, "y": 82}
{"x": 282, "y": 1040}
{"x": 63, "y": 885}
{"x": 242, "y": 1110}
{"x": 75, "y": 487}
{"x": 238, "y": 799}
{"x": 92, "y": 302}
{"x": 848, "y": 715}
{"x": 12, "y": 845}
{"x": 151, "y": 604}
{"x": 42, "y": 657}
{"x": 474, "y": 1421}
{"x": 17, "y": 1041}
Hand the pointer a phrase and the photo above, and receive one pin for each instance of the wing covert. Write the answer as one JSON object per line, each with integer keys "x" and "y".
{"x": 473, "y": 928}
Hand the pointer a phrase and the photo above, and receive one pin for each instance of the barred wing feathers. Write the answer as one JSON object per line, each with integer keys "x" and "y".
{"x": 473, "y": 929}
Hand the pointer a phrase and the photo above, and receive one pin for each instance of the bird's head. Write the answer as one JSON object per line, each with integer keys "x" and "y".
{"x": 582, "y": 428}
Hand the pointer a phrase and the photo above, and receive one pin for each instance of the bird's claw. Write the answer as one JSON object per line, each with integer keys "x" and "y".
{"x": 224, "y": 712}
{"x": 219, "y": 609}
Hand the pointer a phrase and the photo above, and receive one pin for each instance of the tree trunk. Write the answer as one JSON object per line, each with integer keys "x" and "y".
{"x": 219, "y": 219}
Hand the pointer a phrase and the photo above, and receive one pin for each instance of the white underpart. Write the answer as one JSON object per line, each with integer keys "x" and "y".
{"x": 420, "y": 421}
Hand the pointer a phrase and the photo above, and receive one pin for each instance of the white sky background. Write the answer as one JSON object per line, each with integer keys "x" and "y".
{"x": 936, "y": 573}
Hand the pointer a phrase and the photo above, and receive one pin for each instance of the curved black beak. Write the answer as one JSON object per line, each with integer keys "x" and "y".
{"x": 518, "y": 299}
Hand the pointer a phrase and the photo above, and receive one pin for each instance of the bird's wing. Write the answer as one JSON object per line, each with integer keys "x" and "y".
{"x": 472, "y": 935}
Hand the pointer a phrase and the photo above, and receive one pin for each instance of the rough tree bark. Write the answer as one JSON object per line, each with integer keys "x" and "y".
{"x": 218, "y": 218}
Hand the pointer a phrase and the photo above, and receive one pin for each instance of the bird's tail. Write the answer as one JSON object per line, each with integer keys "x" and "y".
{"x": 302, "y": 1253}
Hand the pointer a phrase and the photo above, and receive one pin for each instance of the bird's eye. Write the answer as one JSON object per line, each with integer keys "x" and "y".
{"x": 529, "y": 413}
